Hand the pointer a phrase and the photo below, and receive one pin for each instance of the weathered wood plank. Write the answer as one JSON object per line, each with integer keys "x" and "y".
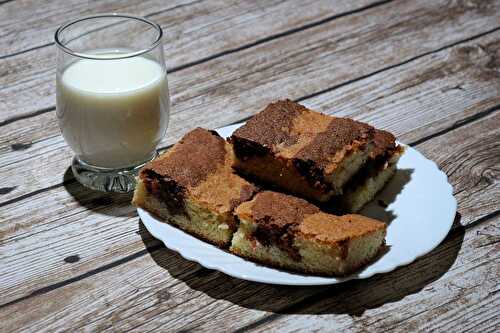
{"x": 434, "y": 23}
{"x": 193, "y": 30}
{"x": 472, "y": 166}
{"x": 30, "y": 24}
{"x": 456, "y": 302}
{"x": 114, "y": 283}
{"x": 424, "y": 310}
{"x": 458, "y": 277}
{"x": 427, "y": 95}
{"x": 63, "y": 227}
{"x": 413, "y": 100}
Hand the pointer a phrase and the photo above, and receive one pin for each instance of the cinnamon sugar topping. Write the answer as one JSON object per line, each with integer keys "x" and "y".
{"x": 383, "y": 142}
{"x": 331, "y": 229}
{"x": 339, "y": 133}
{"x": 279, "y": 210}
{"x": 272, "y": 126}
{"x": 295, "y": 132}
{"x": 278, "y": 217}
{"x": 194, "y": 158}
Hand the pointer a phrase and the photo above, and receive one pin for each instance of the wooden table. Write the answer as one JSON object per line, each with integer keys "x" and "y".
{"x": 427, "y": 70}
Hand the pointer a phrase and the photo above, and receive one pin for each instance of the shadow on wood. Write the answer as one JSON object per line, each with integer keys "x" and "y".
{"x": 352, "y": 297}
{"x": 114, "y": 204}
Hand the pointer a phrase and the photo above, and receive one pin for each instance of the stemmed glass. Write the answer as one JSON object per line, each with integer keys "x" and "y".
{"x": 113, "y": 102}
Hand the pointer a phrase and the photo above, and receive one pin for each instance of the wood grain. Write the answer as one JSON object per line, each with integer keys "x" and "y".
{"x": 425, "y": 311}
{"x": 101, "y": 229}
{"x": 73, "y": 259}
{"x": 29, "y": 25}
{"x": 413, "y": 100}
{"x": 145, "y": 296}
{"x": 27, "y": 79}
{"x": 354, "y": 48}
{"x": 464, "y": 298}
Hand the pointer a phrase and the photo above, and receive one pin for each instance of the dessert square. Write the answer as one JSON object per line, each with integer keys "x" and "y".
{"x": 287, "y": 232}
{"x": 194, "y": 187}
{"x": 301, "y": 151}
{"x": 372, "y": 177}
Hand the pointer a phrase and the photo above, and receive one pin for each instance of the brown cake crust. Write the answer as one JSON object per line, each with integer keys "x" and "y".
{"x": 328, "y": 229}
{"x": 277, "y": 217}
{"x": 384, "y": 143}
{"x": 277, "y": 211}
{"x": 280, "y": 220}
{"x": 271, "y": 128}
{"x": 341, "y": 132}
{"x": 191, "y": 160}
{"x": 304, "y": 152}
{"x": 279, "y": 127}
{"x": 198, "y": 167}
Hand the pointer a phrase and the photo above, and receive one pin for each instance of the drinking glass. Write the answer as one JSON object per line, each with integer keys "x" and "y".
{"x": 113, "y": 103}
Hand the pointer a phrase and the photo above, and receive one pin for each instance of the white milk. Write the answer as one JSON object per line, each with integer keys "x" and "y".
{"x": 113, "y": 112}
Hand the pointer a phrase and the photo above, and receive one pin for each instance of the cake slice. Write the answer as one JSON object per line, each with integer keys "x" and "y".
{"x": 284, "y": 231}
{"x": 372, "y": 177}
{"x": 301, "y": 151}
{"x": 194, "y": 187}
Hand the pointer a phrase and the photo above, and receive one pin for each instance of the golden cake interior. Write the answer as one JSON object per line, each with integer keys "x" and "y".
{"x": 194, "y": 187}
{"x": 304, "y": 152}
{"x": 372, "y": 177}
{"x": 284, "y": 231}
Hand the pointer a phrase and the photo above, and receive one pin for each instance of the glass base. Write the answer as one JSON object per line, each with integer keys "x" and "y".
{"x": 104, "y": 179}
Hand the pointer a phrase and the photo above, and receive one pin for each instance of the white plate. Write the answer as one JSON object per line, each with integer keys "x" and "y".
{"x": 420, "y": 205}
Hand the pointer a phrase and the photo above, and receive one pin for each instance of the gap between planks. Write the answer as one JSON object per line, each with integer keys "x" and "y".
{"x": 6, "y": 56}
{"x": 472, "y": 120}
{"x": 315, "y": 297}
{"x": 473, "y": 181}
{"x": 448, "y": 160}
{"x": 280, "y": 35}
{"x": 330, "y": 89}
{"x": 208, "y": 58}
{"x": 343, "y": 84}
{"x": 283, "y": 34}
{"x": 315, "y": 94}
{"x": 455, "y": 9}
{"x": 458, "y": 124}
{"x": 270, "y": 38}
{"x": 243, "y": 47}
{"x": 11, "y": 196}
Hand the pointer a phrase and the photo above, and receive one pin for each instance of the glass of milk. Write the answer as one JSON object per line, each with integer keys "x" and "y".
{"x": 112, "y": 97}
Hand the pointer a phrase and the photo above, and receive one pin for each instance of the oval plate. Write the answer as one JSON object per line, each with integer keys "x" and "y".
{"x": 417, "y": 204}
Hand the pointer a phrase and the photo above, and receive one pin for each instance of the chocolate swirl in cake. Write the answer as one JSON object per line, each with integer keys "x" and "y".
{"x": 277, "y": 217}
{"x": 193, "y": 159}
